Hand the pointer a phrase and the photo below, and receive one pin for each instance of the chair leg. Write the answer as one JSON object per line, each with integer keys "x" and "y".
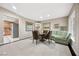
{"x": 36, "y": 42}
{"x": 33, "y": 40}
{"x": 49, "y": 41}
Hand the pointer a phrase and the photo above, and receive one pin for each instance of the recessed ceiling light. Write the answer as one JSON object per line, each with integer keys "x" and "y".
{"x": 41, "y": 17}
{"x": 48, "y": 15}
{"x": 13, "y": 7}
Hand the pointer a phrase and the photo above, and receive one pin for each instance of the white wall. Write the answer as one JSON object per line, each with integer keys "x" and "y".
{"x": 7, "y": 16}
{"x": 1, "y": 31}
{"x": 76, "y": 45}
{"x": 74, "y": 27}
{"x": 62, "y": 21}
{"x": 5, "y": 12}
{"x": 22, "y": 30}
{"x": 71, "y": 27}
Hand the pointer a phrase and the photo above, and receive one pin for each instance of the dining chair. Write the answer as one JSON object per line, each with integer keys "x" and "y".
{"x": 35, "y": 36}
{"x": 48, "y": 36}
{"x": 45, "y": 31}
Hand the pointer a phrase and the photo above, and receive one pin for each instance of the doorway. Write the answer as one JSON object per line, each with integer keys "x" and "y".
{"x": 11, "y": 31}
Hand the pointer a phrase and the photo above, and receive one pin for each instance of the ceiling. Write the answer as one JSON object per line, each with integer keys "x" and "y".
{"x": 39, "y": 11}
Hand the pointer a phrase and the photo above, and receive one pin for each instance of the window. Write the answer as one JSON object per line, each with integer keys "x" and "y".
{"x": 29, "y": 26}
{"x": 63, "y": 28}
{"x": 56, "y": 26}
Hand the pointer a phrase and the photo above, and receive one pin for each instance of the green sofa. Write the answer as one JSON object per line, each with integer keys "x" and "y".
{"x": 61, "y": 37}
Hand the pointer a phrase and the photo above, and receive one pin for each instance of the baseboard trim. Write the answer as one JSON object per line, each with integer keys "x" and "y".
{"x": 71, "y": 50}
{"x": 14, "y": 41}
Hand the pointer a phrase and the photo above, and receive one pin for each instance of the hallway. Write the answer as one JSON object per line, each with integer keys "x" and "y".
{"x": 27, "y": 48}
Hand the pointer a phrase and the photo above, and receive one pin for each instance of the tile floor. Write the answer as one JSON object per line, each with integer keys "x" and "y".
{"x": 27, "y": 48}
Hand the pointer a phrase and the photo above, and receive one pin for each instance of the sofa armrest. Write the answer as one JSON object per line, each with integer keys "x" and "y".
{"x": 68, "y": 38}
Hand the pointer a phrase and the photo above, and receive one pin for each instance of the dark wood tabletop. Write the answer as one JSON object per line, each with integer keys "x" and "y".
{"x": 42, "y": 37}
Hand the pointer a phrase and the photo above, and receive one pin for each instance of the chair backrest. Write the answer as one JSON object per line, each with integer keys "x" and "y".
{"x": 48, "y": 36}
{"x": 35, "y": 35}
{"x": 45, "y": 31}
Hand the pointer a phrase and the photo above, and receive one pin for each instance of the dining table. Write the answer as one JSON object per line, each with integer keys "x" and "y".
{"x": 42, "y": 35}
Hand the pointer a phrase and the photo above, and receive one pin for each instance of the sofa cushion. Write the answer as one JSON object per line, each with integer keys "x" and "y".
{"x": 59, "y": 37}
{"x": 63, "y": 33}
{"x": 59, "y": 34}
